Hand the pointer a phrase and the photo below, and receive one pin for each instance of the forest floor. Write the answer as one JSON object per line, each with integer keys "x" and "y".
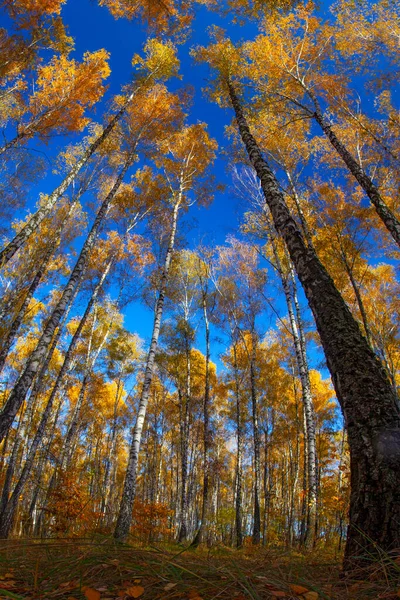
{"x": 71, "y": 569}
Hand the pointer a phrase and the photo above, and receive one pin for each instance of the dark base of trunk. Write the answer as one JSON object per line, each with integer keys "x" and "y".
{"x": 374, "y": 530}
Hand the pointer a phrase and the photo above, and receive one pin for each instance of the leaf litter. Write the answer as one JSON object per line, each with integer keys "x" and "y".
{"x": 101, "y": 569}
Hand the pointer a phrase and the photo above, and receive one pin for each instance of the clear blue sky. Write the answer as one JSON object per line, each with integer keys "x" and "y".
{"x": 92, "y": 28}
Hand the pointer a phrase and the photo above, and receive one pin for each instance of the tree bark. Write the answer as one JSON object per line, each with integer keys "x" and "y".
{"x": 22, "y": 236}
{"x": 256, "y": 537}
{"x": 24, "y": 382}
{"x": 359, "y": 299}
{"x": 15, "y": 325}
{"x": 128, "y": 495}
{"x": 239, "y": 456}
{"x": 206, "y": 430}
{"x": 184, "y": 401}
{"x": 388, "y": 218}
{"x": 361, "y": 384}
{"x": 8, "y": 513}
{"x": 309, "y": 413}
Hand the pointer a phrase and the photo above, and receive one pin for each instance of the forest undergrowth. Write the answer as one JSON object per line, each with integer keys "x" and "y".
{"x": 101, "y": 569}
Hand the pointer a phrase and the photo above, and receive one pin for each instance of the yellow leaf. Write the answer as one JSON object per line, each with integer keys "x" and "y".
{"x": 92, "y": 594}
{"x": 298, "y": 589}
{"x": 310, "y": 596}
{"x": 135, "y": 591}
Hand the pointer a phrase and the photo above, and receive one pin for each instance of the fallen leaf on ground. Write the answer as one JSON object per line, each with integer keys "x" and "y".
{"x": 194, "y": 595}
{"x": 298, "y": 589}
{"x": 91, "y": 594}
{"x": 169, "y": 586}
{"x": 135, "y": 591}
{"x": 8, "y": 584}
{"x": 310, "y": 596}
{"x": 278, "y": 594}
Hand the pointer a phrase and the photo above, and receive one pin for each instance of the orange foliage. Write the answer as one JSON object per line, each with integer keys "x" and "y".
{"x": 151, "y": 520}
{"x": 69, "y": 507}
{"x": 65, "y": 88}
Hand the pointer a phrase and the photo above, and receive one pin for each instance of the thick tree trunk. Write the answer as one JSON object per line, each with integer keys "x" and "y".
{"x": 128, "y": 495}
{"x": 22, "y": 236}
{"x": 24, "y": 382}
{"x": 361, "y": 384}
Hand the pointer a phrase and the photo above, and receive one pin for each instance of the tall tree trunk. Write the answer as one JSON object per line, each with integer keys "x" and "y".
{"x": 12, "y": 142}
{"x": 15, "y": 325}
{"x": 112, "y": 445}
{"x": 206, "y": 430}
{"x": 52, "y": 247}
{"x": 309, "y": 413}
{"x": 388, "y": 218}
{"x": 184, "y": 427}
{"x": 128, "y": 495}
{"x": 361, "y": 384}
{"x": 12, "y": 463}
{"x": 40, "y": 470}
{"x": 239, "y": 455}
{"x": 8, "y": 513}
{"x": 359, "y": 299}
{"x": 256, "y": 443}
{"x": 74, "y": 425}
{"x": 24, "y": 382}
{"x": 22, "y": 236}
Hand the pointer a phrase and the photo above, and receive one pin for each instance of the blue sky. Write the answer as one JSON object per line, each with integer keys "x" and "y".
{"x": 92, "y": 28}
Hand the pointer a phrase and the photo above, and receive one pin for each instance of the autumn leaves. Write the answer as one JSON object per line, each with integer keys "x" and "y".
{"x": 147, "y": 124}
{"x": 311, "y": 158}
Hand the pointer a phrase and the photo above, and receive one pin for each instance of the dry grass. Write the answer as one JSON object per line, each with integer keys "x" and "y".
{"x": 64, "y": 569}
